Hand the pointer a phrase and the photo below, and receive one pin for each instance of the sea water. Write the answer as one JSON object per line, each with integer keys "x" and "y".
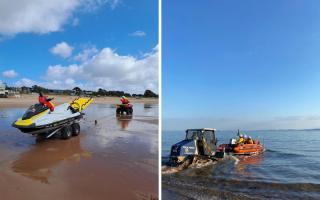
{"x": 288, "y": 169}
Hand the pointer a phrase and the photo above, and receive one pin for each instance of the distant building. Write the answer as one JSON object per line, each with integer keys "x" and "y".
{"x": 25, "y": 90}
{"x": 14, "y": 92}
{"x": 88, "y": 93}
{"x": 3, "y": 91}
{"x": 56, "y": 91}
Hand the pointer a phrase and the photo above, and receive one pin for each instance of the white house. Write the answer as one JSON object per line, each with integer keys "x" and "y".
{"x": 3, "y": 91}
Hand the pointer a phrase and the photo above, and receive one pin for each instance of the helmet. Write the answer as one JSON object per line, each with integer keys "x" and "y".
{"x": 250, "y": 137}
{"x": 240, "y": 135}
{"x": 245, "y": 136}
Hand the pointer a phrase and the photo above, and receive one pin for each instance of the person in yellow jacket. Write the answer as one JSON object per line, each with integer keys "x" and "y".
{"x": 241, "y": 139}
{"x": 249, "y": 140}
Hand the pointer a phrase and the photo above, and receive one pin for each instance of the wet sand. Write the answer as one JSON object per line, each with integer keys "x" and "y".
{"x": 115, "y": 159}
{"x": 27, "y": 99}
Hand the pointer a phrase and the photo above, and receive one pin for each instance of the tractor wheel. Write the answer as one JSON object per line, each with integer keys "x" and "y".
{"x": 185, "y": 164}
{"x": 66, "y": 132}
{"x": 75, "y": 129}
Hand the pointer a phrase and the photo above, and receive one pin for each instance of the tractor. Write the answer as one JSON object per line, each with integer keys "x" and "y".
{"x": 199, "y": 144}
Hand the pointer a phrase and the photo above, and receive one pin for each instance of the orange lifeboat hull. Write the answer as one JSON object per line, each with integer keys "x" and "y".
{"x": 248, "y": 149}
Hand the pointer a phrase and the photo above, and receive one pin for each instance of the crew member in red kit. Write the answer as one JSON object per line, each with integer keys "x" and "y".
{"x": 44, "y": 100}
{"x": 124, "y": 100}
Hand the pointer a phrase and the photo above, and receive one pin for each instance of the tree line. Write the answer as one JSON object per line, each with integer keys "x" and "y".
{"x": 78, "y": 91}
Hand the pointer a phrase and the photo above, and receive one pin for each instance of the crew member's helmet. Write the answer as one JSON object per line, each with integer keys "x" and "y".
{"x": 241, "y": 135}
{"x": 245, "y": 136}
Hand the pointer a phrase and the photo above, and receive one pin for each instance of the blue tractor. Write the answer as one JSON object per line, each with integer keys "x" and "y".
{"x": 198, "y": 144}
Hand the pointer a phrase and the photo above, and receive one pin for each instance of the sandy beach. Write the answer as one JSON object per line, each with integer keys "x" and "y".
{"x": 117, "y": 158}
{"x": 28, "y": 99}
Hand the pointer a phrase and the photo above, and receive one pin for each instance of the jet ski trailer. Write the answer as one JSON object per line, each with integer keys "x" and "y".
{"x": 64, "y": 120}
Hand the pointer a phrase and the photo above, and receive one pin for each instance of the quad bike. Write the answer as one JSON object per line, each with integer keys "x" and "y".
{"x": 124, "y": 108}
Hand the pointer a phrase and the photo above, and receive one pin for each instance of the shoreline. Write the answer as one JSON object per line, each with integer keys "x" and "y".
{"x": 28, "y": 99}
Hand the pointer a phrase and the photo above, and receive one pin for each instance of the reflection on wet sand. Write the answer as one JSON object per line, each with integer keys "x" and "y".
{"x": 147, "y": 106}
{"x": 123, "y": 121}
{"x": 39, "y": 161}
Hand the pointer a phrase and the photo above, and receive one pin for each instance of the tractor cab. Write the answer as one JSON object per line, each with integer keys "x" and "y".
{"x": 205, "y": 140}
{"x": 198, "y": 142}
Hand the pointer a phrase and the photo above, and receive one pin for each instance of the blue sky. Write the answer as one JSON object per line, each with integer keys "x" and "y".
{"x": 241, "y": 64}
{"x": 119, "y": 37}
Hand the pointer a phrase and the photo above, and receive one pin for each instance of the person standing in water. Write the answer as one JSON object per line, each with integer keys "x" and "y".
{"x": 44, "y": 100}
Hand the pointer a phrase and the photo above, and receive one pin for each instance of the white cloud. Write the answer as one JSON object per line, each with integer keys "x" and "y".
{"x": 86, "y": 54}
{"x": 43, "y": 16}
{"x": 37, "y": 16}
{"x": 58, "y": 72}
{"x": 25, "y": 82}
{"x": 69, "y": 83}
{"x": 105, "y": 69}
{"x": 138, "y": 34}
{"x": 91, "y": 5}
{"x": 111, "y": 71}
{"x": 62, "y": 49}
{"x": 9, "y": 74}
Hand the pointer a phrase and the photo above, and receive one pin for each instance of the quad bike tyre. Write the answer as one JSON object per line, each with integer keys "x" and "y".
{"x": 127, "y": 111}
{"x": 118, "y": 111}
{"x": 130, "y": 111}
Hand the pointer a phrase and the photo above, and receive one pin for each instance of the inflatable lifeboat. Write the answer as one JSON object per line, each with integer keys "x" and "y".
{"x": 248, "y": 148}
{"x": 242, "y": 149}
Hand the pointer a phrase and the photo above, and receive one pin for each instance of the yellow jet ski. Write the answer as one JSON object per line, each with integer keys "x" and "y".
{"x": 65, "y": 118}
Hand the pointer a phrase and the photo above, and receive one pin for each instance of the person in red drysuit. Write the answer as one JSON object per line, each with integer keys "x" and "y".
{"x": 124, "y": 100}
{"x": 44, "y": 100}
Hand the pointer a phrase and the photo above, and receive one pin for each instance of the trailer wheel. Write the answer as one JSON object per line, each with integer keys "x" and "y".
{"x": 75, "y": 129}
{"x": 66, "y": 132}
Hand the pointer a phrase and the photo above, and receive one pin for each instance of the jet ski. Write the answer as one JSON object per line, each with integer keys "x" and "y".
{"x": 38, "y": 119}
